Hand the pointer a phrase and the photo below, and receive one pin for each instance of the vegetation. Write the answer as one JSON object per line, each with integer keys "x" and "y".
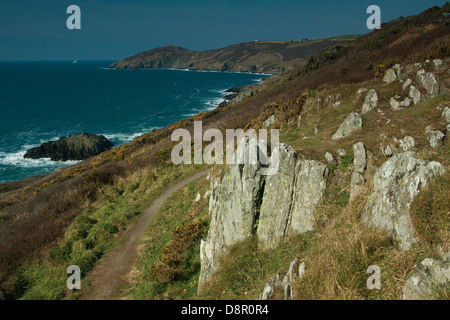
{"x": 77, "y": 214}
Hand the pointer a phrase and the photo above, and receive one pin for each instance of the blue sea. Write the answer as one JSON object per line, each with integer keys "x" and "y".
{"x": 42, "y": 101}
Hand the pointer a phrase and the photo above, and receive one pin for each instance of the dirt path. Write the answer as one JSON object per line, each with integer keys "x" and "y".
{"x": 110, "y": 274}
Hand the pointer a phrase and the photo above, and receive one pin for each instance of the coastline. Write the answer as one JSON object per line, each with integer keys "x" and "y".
{"x": 13, "y": 161}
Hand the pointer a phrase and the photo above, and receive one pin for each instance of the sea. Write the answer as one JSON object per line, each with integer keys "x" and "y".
{"x": 43, "y": 101}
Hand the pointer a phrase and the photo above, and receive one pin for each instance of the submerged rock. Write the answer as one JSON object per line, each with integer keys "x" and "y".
{"x": 396, "y": 184}
{"x": 79, "y": 147}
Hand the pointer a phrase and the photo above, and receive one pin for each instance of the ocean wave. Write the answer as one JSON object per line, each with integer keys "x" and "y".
{"x": 122, "y": 138}
{"x": 16, "y": 159}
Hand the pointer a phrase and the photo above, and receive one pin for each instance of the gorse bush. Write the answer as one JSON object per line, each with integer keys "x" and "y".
{"x": 170, "y": 265}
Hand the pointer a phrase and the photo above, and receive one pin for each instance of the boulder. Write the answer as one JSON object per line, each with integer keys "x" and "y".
{"x": 329, "y": 157}
{"x": 427, "y": 279}
{"x": 78, "y": 147}
{"x": 359, "y": 167}
{"x": 435, "y": 137}
{"x": 415, "y": 94}
{"x": 446, "y": 114}
{"x": 370, "y": 102}
{"x": 397, "y": 105}
{"x": 406, "y": 84}
{"x": 398, "y": 71}
{"x": 396, "y": 184}
{"x": 269, "y": 122}
{"x": 407, "y": 143}
{"x": 352, "y": 122}
{"x": 430, "y": 82}
{"x": 299, "y": 122}
{"x": 437, "y": 63}
{"x": 390, "y": 76}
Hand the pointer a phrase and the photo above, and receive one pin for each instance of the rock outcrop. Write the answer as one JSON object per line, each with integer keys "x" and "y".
{"x": 280, "y": 286}
{"x": 277, "y": 198}
{"x": 269, "y": 122}
{"x": 233, "y": 207}
{"x": 427, "y": 279}
{"x": 79, "y": 147}
{"x": 396, "y": 183}
{"x": 290, "y": 198}
{"x": 435, "y": 137}
{"x": 359, "y": 167}
{"x": 352, "y": 122}
{"x": 243, "y": 202}
{"x": 446, "y": 114}
{"x": 370, "y": 102}
{"x": 407, "y": 143}
{"x": 430, "y": 82}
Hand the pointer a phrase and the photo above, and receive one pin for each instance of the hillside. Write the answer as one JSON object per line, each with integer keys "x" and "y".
{"x": 392, "y": 82}
{"x": 272, "y": 57}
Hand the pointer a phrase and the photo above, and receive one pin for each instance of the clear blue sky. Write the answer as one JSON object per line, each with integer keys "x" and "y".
{"x": 111, "y": 30}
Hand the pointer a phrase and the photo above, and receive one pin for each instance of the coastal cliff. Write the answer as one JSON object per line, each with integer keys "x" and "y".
{"x": 271, "y": 57}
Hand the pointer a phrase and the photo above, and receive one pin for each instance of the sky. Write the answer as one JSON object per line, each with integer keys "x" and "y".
{"x": 113, "y": 30}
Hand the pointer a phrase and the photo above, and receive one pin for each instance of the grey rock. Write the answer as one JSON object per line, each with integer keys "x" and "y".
{"x": 397, "y": 105}
{"x": 370, "y": 102}
{"x": 280, "y": 286}
{"x": 446, "y": 114}
{"x": 415, "y": 94}
{"x": 329, "y": 157}
{"x": 341, "y": 153}
{"x": 396, "y": 183}
{"x": 398, "y": 71}
{"x": 427, "y": 278}
{"x": 436, "y": 138}
{"x": 437, "y": 63}
{"x": 269, "y": 122}
{"x": 299, "y": 121}
{"x": 352, "y": 122}
{"x": 277, "y": 198}
{"x": 359, "y": 167}
{"x": 233, "y": 207}
{"x": 310, "y": 185}
{"x": 388, "y": 150}
{"x": 407, "y": 143}
{"x": 406, "y": 84}
{"x": 360, "y": 92}
{"x": 390, "y": 76}
{"x": 430, "y": 82}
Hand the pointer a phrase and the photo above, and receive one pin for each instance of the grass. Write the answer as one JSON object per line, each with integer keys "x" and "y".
{"x": 95, "y": 232}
